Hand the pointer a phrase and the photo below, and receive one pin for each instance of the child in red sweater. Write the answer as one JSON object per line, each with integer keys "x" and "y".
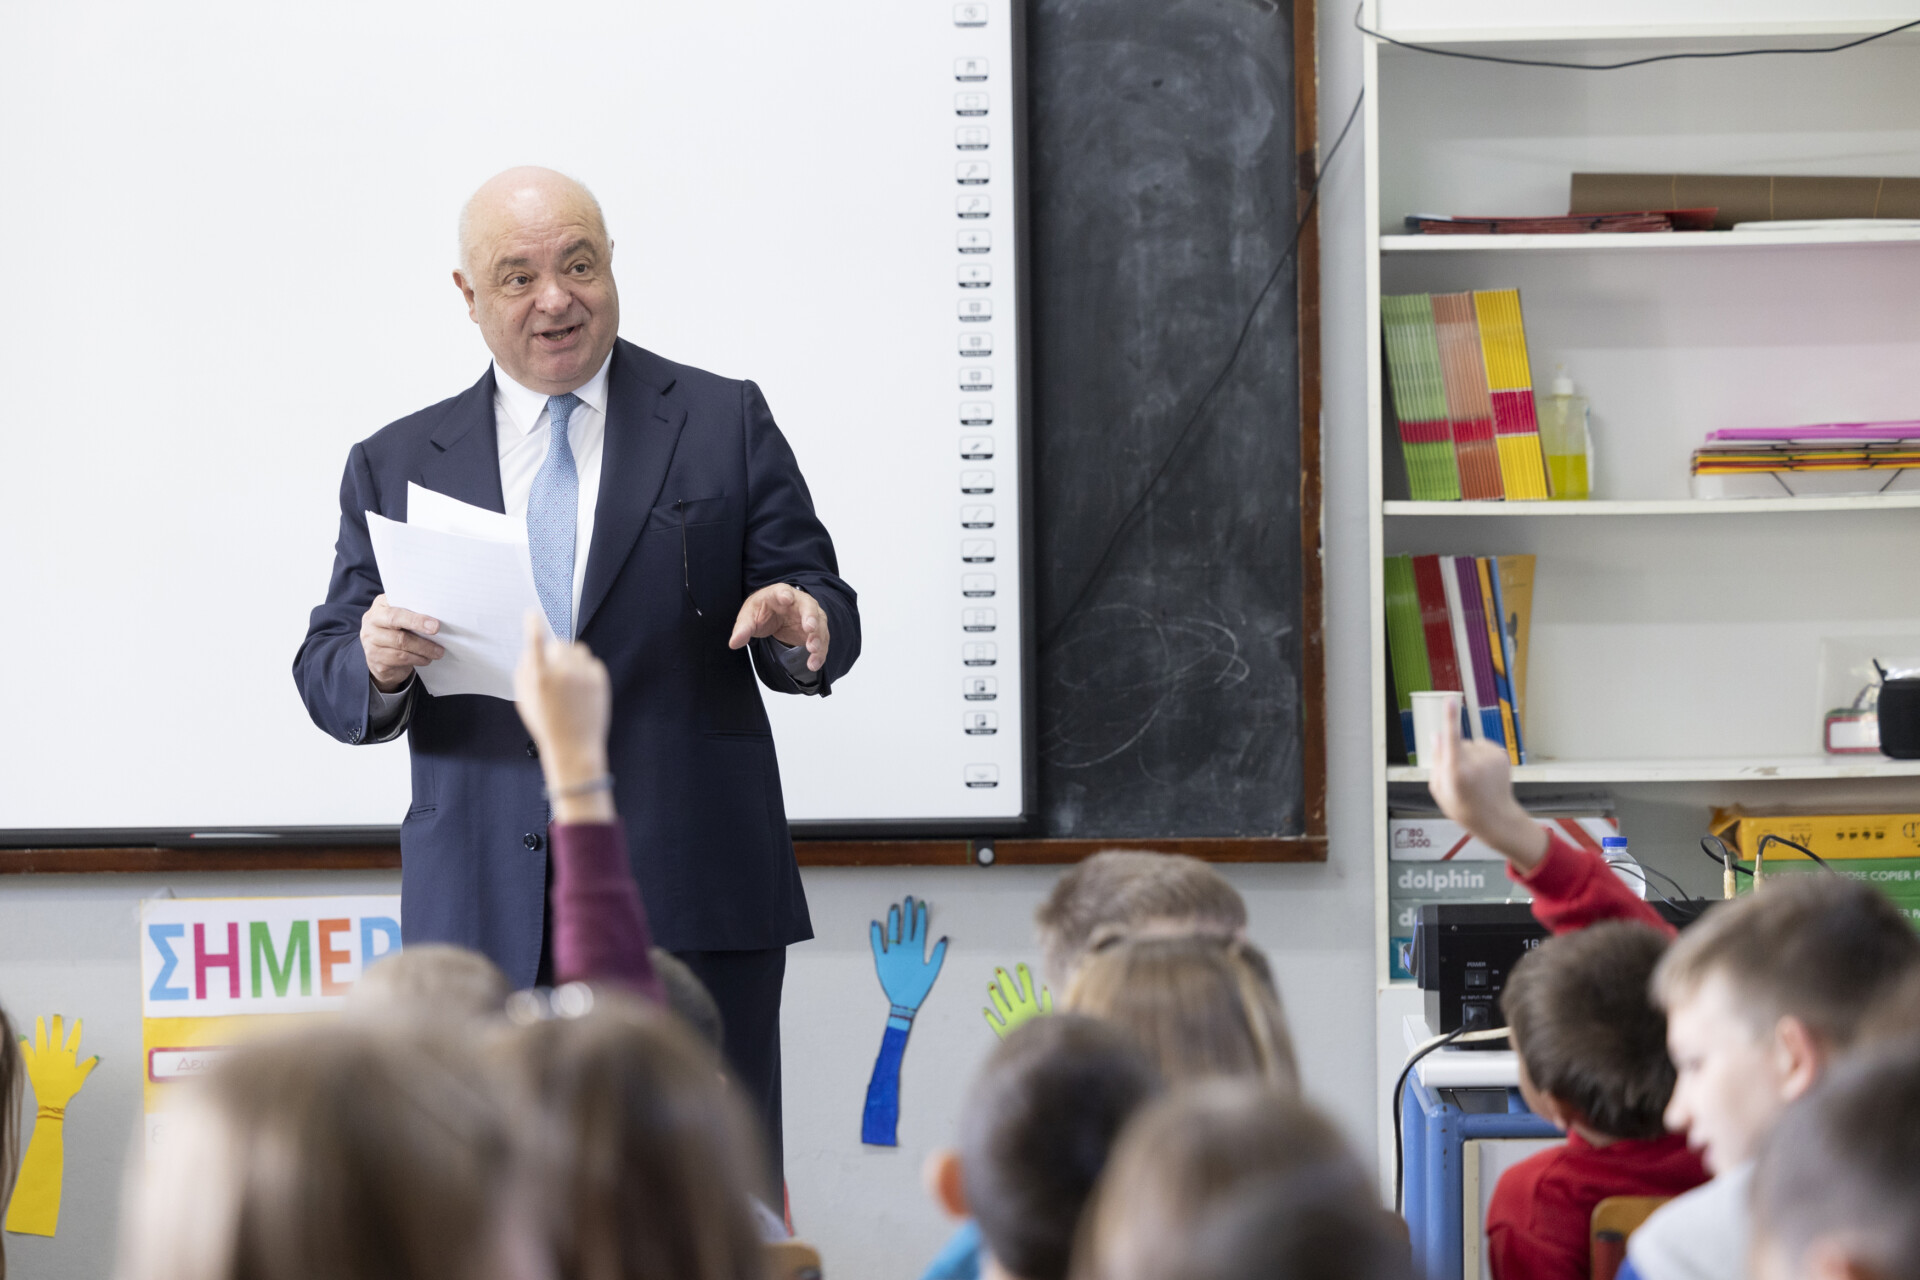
{"x": 1592, "y": 1046}
{"x": 1593, "y": 1061}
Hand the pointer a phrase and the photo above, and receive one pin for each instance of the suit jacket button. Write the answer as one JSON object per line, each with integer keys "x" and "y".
{"x": 533, "y": 751}
{"x": 532, "y": 841}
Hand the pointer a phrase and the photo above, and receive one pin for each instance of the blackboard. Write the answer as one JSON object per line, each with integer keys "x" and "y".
{"x": 1176, "y": 539}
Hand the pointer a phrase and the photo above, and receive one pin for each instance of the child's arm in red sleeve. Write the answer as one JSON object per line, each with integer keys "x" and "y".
{"x": 600, "y": 931}
{"x": 1574, "y": 887}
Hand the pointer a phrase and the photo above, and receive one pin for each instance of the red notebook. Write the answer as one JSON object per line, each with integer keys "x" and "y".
{"x": 1469, "y": 405}
{"x": 1443, "y": 667}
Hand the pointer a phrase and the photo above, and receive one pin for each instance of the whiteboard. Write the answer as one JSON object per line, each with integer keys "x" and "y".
{"x": 232, "y": 229}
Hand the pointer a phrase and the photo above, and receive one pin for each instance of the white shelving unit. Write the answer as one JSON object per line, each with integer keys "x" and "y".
{"x": 1649, "y": 242}
{"x": 1675, "y": 646}
{"x": 1772, "y": 769}
{"x": 1654, "y": 507}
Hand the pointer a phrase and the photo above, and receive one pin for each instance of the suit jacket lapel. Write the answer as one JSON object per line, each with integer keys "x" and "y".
{"x": 642, "y": 431}
{"x": 467, "y": 464}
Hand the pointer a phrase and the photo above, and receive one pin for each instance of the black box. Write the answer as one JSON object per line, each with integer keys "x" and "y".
{"x": 1463, "y": 951}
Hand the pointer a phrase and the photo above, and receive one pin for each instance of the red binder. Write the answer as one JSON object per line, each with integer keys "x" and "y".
{"x": 1442, "y": 665}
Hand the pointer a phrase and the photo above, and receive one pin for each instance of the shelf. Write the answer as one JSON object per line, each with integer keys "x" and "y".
{"x": 1658, "y": 506}
{"x": 1777, "y": 769}
{"x": 1653, "y": 241}
{"x": 1704, "y": 24}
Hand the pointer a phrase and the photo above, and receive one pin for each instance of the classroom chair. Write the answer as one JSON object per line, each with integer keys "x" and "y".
{"x": 1614, "y": 1219}
{"x": 792, "y": 1260}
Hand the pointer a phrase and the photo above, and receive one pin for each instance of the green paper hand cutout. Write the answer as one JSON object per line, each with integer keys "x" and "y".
{"x": 1014, "y": 1002}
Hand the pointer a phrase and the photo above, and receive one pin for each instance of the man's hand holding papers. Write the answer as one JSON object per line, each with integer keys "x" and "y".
{"x": 458, "y": 580}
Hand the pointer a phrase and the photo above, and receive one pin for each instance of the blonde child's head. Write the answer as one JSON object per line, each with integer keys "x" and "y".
{"x": 1200, "y": 1006}
{"x": 1125, "y": 891}
{"x": 638, "y": 1159}
{"x": 1762, "y": 992}
{"x": 434, "y": 980}
{"x": 343, "y": 1149}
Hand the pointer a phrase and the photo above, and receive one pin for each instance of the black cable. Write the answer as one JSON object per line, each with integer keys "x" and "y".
{"x": 1399, "y": 1087}
{"x": 1233, "y": 358}
{"x": 1616, "y": 66}
{"x": 1771, "y": 839}
{"x": 1694, "y": 905}
{"x": 1724, "y": 857}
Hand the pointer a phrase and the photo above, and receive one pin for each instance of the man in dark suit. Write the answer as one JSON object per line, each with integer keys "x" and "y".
{"x": 670, "y": 529}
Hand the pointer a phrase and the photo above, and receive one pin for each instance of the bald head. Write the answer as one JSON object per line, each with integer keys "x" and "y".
{"x": 536, "y": 269}
{"x": 518, "y": 193}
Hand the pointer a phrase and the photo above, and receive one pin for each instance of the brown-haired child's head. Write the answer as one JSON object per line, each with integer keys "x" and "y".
{"x": 1592, "y": 1048}
{"x": 1836, "y": 1192}
{"x": 344, "y": 1149}
{"x": 1123, "y": 890}
{"x": 1762, "y": 992}
{"x": 638, "y": 1159}
{"x": 433, "y": 980}
{"x": 1034, "y": 1136}
{"x": 1186, "y": 1159}
{"x": 1200, "y": 1006}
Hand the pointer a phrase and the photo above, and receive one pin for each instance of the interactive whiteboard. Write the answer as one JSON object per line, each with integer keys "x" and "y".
{"x": 232, "y": 229}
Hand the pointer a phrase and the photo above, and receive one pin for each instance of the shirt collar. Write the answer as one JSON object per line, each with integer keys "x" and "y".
{"x": 525, "y": 405}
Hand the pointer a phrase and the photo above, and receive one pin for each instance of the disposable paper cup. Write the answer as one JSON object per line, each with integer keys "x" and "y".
{"x": 1430, "y": 713}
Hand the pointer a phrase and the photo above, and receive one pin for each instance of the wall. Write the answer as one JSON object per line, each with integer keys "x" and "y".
{"x": 68, "y": 944}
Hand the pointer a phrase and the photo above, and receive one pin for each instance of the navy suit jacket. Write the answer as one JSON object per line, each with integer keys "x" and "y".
{"x": 691, "y": 461}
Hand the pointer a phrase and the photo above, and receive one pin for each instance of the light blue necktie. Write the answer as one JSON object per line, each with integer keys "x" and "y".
{"x": 553, "y": 508}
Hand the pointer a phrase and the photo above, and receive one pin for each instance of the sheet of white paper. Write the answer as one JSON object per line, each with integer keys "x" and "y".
{"x": 428, "y": 509}
{"x": 478, "y": 588}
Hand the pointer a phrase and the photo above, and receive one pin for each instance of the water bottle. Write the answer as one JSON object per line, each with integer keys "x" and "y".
{"x": 1614, "y": 850}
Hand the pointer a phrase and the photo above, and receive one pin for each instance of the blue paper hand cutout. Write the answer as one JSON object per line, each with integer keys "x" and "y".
{"x": 907, "y": 973}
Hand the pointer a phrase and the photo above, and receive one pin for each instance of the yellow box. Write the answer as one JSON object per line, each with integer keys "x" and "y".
{"x": 1831, "y": 835}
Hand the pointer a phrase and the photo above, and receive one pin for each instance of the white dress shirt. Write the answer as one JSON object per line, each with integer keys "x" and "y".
{"x": 520, "y": 430}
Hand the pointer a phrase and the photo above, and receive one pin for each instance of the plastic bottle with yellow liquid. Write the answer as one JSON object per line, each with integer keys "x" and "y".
{"x": 1565, "y": 440}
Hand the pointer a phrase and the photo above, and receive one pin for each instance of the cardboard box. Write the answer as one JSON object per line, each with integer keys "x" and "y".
{"x": 1831, "y": 835}
{"x": 1437, "y": 840}
{"x": 1898, "y": 878}
{"x": 1472, "y": 881}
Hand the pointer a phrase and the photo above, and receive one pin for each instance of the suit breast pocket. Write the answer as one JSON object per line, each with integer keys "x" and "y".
{"x": 702, "y": 536}
{"x": 684, "y": 513}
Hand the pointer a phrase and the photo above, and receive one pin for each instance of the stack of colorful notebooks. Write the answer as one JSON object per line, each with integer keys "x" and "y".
{"x": 1460, "y": 623}
{"x": 1463, "y": 392}
{"x": 1836, "y": 459}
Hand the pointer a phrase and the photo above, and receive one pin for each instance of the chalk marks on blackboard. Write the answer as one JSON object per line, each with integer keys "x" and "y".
{"x": 1123, "y": 668}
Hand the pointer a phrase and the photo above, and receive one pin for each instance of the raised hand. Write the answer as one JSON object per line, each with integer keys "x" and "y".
{"x": 1473, "y": 785}
{"x": 1014, "y": 1002}
{"x": 790, "y": 616}
{"x": 565, "y": 699}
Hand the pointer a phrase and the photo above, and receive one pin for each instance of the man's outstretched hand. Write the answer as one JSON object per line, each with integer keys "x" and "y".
{"x": 790, "y": 616}
{"x": 565, "y": 699}
{"x": 1472, "y": 784}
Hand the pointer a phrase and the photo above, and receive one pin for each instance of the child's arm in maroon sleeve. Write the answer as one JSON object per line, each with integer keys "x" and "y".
{"x": 1574, "y": 887}
{"x": 600, "y": 931}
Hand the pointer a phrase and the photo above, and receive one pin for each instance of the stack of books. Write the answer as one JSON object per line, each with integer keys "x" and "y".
{"x": 1836, "y": 459}
{"x": 1460, "y": 623}
{"x": 1463, "y": 394}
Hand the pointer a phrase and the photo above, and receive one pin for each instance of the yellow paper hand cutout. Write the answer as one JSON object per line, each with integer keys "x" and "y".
{"x": 57, "y": 1074}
